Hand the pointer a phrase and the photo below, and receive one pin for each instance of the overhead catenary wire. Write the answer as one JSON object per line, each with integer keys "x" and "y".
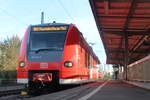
{"x": 12, "y": 16}
{"x": 67, "y": 12}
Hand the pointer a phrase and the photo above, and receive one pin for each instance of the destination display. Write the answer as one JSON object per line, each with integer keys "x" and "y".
{"x": 53, "y": 28}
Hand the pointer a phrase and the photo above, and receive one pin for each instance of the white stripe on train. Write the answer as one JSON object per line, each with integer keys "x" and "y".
{"x": 61, "y": 81}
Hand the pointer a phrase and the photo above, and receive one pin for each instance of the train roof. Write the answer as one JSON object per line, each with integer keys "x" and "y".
{"x": 64, "y": 24}
{"x": 54, "y": 23}
{"x": 89, "y": 48}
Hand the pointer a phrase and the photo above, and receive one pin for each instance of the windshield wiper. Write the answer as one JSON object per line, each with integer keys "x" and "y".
{"x": 48, "y": 49}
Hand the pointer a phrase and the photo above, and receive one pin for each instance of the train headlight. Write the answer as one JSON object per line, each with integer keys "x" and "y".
{"x": 68, "y": 64}
{"x": 22, "y": 64}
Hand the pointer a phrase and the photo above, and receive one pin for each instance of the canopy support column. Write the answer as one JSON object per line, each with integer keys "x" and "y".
{"x": 126, "y": 55}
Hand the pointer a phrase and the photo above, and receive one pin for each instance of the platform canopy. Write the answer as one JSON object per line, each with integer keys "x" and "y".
{"x": 124, "y": 27}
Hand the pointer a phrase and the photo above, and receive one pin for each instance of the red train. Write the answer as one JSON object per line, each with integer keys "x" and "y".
{"x": 55, "y": 54}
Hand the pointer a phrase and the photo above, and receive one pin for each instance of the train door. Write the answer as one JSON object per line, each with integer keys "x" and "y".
{"x": 97, "y": 70}
{"x": 91, "y": 67}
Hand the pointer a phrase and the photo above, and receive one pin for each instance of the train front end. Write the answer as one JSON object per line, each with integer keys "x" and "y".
{"x": 41, "y": 55}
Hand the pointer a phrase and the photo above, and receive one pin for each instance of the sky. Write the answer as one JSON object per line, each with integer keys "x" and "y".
{"x": 16, "y": 15}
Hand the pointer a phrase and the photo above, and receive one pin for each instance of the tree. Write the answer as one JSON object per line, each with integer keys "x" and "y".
{"x": 9, "y": 53}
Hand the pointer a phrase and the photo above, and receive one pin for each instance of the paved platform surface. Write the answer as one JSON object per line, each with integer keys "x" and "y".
{"x": 145, "y": 85}
{"x": 110, "y": 90}
{"x": 116, "y": 90}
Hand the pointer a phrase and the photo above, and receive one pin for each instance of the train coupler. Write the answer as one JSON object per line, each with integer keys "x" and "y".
{"x": 42, "y": 77}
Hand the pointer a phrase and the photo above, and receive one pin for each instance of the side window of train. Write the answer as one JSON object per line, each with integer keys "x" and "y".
{"x": 88, "y": 60}
{"x": 85, "y": 54}
{"x": 91, "y": 61}
{"x": 82, "y": 45}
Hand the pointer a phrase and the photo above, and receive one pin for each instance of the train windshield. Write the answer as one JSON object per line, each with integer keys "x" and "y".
{"x": 47, "y": 41}
{"x": 46, "y": 44}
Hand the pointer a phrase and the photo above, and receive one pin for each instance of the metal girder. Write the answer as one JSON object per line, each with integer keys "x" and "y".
{"x": 135, "y": 49}
{"x": 121, "y": 22}
{"x": 130, "y": 33}
{"x": 139, "y": 52}
{"x": 110, "y": 28}
{"x": 135, "y": 17}
{"x": 136, "y": 58}
{"x": 115, "y": 33}
{"x": 130, "y": 51}
{"x": 113, "y": 0}
{"x": 118, "y": 59}
{"x": 106, "y": 7}
{"x": 115, "y": 62}
{"x": 122, "y": 59}
{"x": 117, "y": 8}
{"x": 123, "y": 13}
{"x": 122, "y": 1}
{"x": 138, "y": 44}
{"x": 143, "y": 52}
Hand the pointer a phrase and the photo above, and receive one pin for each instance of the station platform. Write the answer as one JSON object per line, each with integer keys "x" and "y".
{"x": 108, "y": 90}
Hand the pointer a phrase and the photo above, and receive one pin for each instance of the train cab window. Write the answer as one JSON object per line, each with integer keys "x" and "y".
{"x": 46, "y": 46}
{"x": 51, "y": 40}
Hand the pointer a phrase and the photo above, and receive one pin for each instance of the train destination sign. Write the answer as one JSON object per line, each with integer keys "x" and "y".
{"x": 54, "y": 28}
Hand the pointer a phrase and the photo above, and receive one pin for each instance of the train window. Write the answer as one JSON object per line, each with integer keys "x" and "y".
{"x": 84, "y": 56}
{"x": 86, "y": 59}
{"x": 81, "y": 49}
{"x": 52, "y": 40}
{"x": 81, "y": 44}
{"x": 91, "y": 61}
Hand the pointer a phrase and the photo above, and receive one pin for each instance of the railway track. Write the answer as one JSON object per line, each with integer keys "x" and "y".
{"x": 72, "y": 90}
{"x": 15, "y": 95}
{"x": 10, "y": 92}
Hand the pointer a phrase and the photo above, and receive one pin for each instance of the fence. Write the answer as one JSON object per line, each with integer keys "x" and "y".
{"x": 140, "y": 70}
{"x": 8, "y": 77}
